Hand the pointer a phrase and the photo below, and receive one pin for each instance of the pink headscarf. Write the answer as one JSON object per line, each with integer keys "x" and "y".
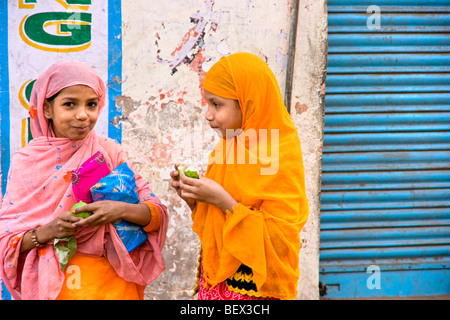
{"x": 60, "y": 76}
{"x": 38, "y": 191}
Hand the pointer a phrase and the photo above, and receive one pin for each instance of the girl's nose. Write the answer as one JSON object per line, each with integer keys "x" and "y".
{"x": 209, "y": 116}
{"x": 81, "y": 114}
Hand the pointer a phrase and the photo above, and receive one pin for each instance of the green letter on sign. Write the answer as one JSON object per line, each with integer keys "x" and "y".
{"x": 73, "y": 31}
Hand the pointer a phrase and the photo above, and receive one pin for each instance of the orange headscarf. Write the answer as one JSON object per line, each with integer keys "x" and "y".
{"x": 262, "y": 169}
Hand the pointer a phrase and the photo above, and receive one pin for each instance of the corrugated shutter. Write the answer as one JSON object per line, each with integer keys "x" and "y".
{"x": 385, "y": 201}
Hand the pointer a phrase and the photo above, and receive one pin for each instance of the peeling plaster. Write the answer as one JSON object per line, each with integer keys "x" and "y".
{"x": 308, "y": 94}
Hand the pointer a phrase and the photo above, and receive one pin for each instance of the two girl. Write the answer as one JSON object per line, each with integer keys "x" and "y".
{"x": 248, "y": 209}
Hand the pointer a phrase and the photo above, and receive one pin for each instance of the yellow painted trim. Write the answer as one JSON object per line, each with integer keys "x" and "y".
{"x": 22, "y": 100}
{"x": 24, "y": 130}
{"x": 71, "y": 7}
{"x": 25, "y": 6}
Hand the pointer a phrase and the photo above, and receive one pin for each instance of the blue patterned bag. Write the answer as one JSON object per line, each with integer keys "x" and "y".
{"x": 120, "y": 185}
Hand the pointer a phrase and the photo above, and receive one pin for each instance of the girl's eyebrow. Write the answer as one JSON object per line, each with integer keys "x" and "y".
{"x": 72, "y": 98}
{"x": 216, "y": 99}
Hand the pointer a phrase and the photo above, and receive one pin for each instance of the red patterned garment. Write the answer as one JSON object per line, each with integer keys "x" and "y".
{"x": 222, "y": 292}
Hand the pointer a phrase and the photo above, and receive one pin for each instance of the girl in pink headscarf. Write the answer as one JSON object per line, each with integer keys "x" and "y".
{"x": 66, "y": 102}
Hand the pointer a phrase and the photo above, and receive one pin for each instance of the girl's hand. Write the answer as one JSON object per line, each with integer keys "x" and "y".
{"x": 176, "y": 184}
{"x": 62, "y": 226}
{"x": 109, "y": 211}
{"x": 206, "y": 190}
{"x": 102, "y": 212}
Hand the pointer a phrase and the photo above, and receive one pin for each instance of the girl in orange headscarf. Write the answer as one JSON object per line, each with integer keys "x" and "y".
{"x": 250, "y": 206}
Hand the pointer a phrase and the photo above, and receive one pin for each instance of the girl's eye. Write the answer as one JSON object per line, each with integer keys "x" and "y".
{"x": 69, "y": 104}
{"x": 93, "y": 105}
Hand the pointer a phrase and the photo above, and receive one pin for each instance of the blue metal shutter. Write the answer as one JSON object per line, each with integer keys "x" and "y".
{"x": 385, "y": 201}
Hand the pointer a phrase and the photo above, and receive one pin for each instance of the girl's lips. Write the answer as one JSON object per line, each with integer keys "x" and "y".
{"x": 82, "y": 129}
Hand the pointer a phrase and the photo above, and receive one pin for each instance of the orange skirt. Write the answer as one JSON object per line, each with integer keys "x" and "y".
{"x": 93, "y": 278}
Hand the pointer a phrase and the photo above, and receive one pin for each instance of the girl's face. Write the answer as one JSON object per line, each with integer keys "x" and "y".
{"x": 74, "y": 112}
{"x": 223, "y": 114}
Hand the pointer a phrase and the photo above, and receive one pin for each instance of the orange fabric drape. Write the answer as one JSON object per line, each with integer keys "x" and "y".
{"x": 262, "y": 168}
{"x": 93, "y": 278}
{"x": 82, "y": 280}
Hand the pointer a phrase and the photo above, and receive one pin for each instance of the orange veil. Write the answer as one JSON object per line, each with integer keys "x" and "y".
{"x": 262, "y": 168}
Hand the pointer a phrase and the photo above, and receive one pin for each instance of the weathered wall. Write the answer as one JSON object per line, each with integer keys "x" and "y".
{"x": 307, "y": 111}
{"x": 167, "y": 48}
